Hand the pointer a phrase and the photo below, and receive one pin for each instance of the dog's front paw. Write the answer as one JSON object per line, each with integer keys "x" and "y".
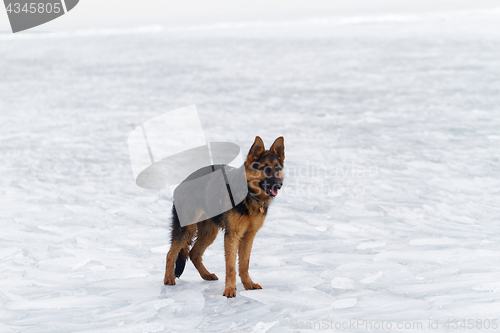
{"x": 229, "y": 292}
{"x": 251, "y": 286}
{"x": 169, "y": 281}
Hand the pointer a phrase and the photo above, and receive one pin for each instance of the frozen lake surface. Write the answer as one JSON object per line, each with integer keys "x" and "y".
{"x": 390, "y": 209}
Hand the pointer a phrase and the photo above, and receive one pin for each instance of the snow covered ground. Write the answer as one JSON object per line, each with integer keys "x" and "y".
{"x": 390, "y": 210}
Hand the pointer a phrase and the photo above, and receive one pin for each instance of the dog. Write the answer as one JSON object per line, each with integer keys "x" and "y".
{"x": 264, "y": 173}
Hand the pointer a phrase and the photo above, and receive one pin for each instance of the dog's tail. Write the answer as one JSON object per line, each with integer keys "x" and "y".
{"x": 180, "y": 263}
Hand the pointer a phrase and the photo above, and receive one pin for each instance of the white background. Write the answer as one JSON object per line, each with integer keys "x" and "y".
{"x": 410, "y": 96}
{"x": 96, "y": 13}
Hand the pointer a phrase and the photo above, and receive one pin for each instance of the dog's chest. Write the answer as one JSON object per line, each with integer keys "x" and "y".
{"x": 257, "y": 221}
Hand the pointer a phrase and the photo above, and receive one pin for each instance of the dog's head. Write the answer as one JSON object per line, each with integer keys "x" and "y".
{"x": 264, "y": 168}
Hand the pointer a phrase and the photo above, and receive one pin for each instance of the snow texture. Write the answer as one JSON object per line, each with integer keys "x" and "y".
{"x": 390, "y": 206}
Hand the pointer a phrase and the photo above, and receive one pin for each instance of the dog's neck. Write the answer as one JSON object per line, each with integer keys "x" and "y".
{"x": 262, "y": 204}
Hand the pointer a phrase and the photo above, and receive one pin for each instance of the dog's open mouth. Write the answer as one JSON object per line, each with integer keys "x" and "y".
{"x": 272, "y": 192}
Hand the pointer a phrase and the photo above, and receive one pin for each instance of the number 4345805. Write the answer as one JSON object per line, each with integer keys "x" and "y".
{"x": 34, "y": 7}
{"x": 471, "y": 324}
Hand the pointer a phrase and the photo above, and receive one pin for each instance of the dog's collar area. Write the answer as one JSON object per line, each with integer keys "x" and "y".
{"x": 261, "y": 209}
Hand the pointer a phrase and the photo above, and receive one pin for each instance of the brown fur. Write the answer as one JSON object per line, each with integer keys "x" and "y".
{"x": 263, "y": 170}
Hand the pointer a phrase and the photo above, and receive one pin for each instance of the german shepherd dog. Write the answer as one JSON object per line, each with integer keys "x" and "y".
{"x": 264, "y": 174}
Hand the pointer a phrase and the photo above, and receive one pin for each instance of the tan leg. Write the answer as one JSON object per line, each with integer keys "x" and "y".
{"x": 244, "y": 250}
{"x": 169, "y": 278}
{"x": 207, "y": 232}
{"x": 231, "y": 241}
{"x": 175, "y": 248}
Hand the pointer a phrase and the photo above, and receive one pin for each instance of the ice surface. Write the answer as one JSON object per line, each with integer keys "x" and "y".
{"x": 390, "y": 205}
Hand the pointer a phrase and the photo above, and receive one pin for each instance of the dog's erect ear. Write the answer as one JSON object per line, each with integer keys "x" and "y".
{"x": 278, "y": 148}
{"x": 256, "y": 150}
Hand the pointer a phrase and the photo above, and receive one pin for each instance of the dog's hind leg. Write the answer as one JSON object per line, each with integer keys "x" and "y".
{"x": 170, "y": 265}
{"x": 181, "y": 239}
{"x": 207, "y": 232}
